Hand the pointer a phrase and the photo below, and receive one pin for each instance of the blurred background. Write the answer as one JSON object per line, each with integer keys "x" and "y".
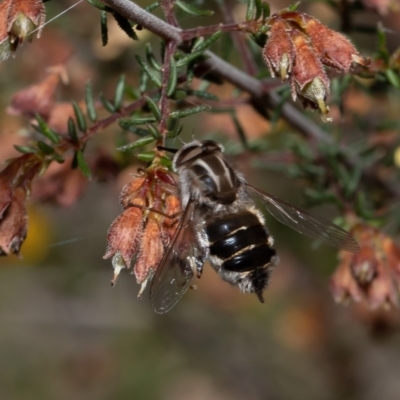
{"x": 66, "y": 334}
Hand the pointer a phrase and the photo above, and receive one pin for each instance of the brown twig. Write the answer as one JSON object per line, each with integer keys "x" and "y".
{"x": 238, "y": 39}
{"x": 168, "y": 8}
{"x": 164, "y": 102}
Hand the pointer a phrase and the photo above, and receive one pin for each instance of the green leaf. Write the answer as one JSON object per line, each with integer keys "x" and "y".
{"x": 201, "y": 94}
{"x": 58, "y": 157}
{"x": 166, "y": 162}
{"x": 103, "y": 28}
{"x": 126, "y": 123}
{"x": 240, "y": 130}
{"x": 189, "y": 58}
{"x": 151, "y": 58}
{"x": 45, "y": 130}
{"x": 90, "y": 107}
{"x": 197, "y": 43}
{"x": 82, "y": 165}
{"x": 173, "y": 78}
{"x": 107, "y": 104}
{"x": 393, "y": 78}
{"x": 98, "y": 4}
{"x": 175, "y": 132}
{"x": 45, "y": 148}
{"x": 147, "y": 156}
{"x": 203, "y": 46}
{"x": 154, "y": 108}
{"x": 251, "y": 6}
{"x": 383, "y": 51}
{"x": 192, "y": 10}
{"x": 154, "y": 131}
{"x": 72, "y": 131}
{"x": 143, "y": 82}
{"x": 266, "y": 10}
{"x": 154, "y": 79}
{"x": 180, "y": 94}
{"x": 80, "y": 118}
{"x": 25, "y": 149}
{"x": 189, "y": 111}
{"x": 143, "y": 141}
{"x": 294, "y": 6}
{"x": 125, "y": 25}
{"x": 119, "y": 93}
{"x": 259, "y": 9}
{"x": 138, "y": 131}
{"x": 152, "y": 6}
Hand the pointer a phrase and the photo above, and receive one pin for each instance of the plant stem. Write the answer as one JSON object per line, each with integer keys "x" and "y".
{"x": 164, "y": 102}
{"x": 145, "y": 19}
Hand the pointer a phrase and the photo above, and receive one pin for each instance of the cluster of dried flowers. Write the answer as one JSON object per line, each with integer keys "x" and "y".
{"x": 373, "y": 274}
{"x": 15, "y": 182}
{"x": 145, "y": 228}
{"x": 18, "y": 20}
{"x": 297, "y": 48}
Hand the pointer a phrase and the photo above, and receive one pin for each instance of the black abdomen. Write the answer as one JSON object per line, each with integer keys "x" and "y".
{"x": 240, "y": 241}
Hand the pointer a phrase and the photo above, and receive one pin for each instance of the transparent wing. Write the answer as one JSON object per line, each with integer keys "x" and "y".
{"x": 176, "y": 269}
{"x": 307, "y": 224}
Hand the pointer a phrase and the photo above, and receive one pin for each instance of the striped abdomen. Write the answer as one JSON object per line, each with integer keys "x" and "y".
{"x": 240, "y": 241}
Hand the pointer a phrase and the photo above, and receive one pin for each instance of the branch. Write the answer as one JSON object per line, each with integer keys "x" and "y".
{"x": 146, "y": 20}
{"x": 262, "y": 97}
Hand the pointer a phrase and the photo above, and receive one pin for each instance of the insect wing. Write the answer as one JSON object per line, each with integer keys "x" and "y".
{"x": 307, "y": 224}
{"x": 175, "y": 272}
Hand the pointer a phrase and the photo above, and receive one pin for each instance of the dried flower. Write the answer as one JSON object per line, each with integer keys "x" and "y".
{"x": 372, "y": 274}
{"x": 382, "y": 6}
{"x": 60, "y": 184}
{"x": 18, "y": 20}
{"x": 279, "y": 51}
{"x": 333, "y": 49}
{"x": 38, "y": 98}
{"x": 297, "y": 48}
{"x": 24, "y": 17}
{"x": 15, "y": 184}
{"x": 144, "y": 229}
{"x": 309, "y": 79}
{"x": 5, "y": 46}
{"x": 13, "y": 224}
{"x": 7, "y": 177}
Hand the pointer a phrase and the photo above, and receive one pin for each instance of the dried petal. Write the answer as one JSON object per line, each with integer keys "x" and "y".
{"x": 60, "y": 185}
{"x": 151, "y": 251}
{"x": 314, "y": 95}
{"x": 342, "y": 284}
{"x": 364, "y": 266}
{"x": 37, "y": 98}
{"x": 135, "y": 188}
{"x": 279, "y": 52}
{"x": 306, "y": 68}
{"x": 125, "y": 234}
{"x": 7, "y": 176}
{"x": 373, "y": 273}
{"x": 382, "y": 291}
{"x": 24, "y": 17}
{"x": 392, "y": 253}
{"x": 13, "y": 225}
{"x": 5, "y": 46}
{"x": 169, "y": 225}
{"x": 331, "y": 47}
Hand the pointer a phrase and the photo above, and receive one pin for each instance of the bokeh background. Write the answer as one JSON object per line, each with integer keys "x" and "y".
{"x": 65, "y": 334}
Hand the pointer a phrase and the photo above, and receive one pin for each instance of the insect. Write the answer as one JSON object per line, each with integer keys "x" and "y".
{"x": 220, "y": 222}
